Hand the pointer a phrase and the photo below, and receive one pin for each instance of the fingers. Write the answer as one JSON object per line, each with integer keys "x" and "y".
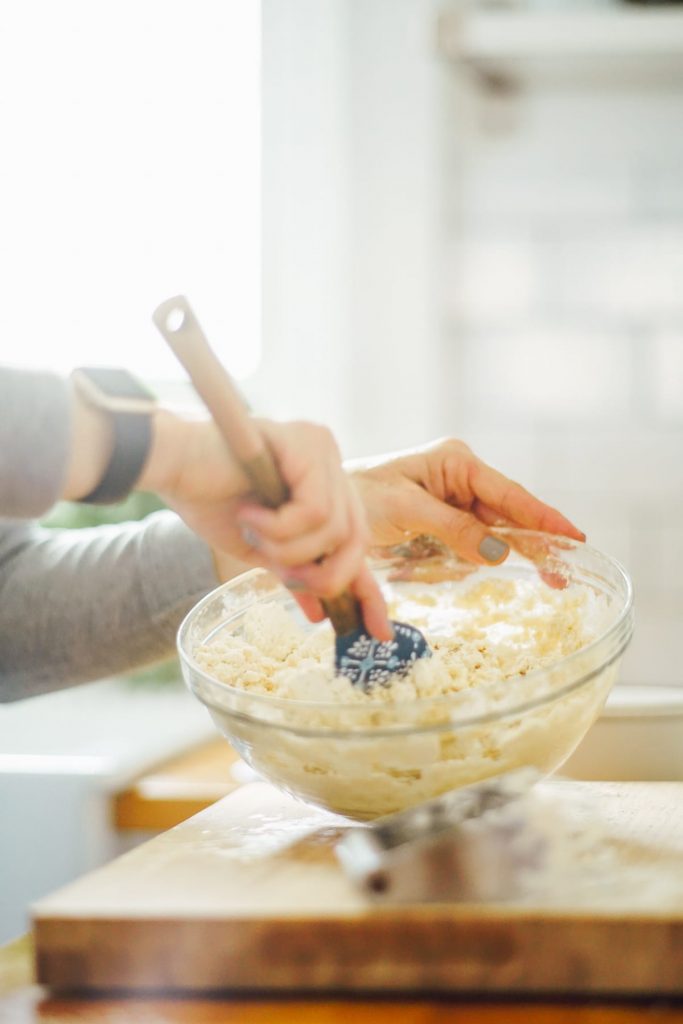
{"x": 280, "y": 536}
{"x": 367, "y": 591}
{"x": 499, "y": 497}
{"x": 536, "y": 549}
{"x": 318, "y": 562}
{"x": 373, "y": 606}
{"x": 346, "y": 569}
{"x": 315, "y": 521}
{"x": 336, "y": 572}
{"x": 310, "y": 606}
{"x": 460, "y": 530}
{"x": 317, "y": 541}
{"x": 488, "y": 516}
{"x": 544, "y": 553}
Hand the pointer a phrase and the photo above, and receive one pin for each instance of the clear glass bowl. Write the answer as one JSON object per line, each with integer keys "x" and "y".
{"x": 369, "y": 759}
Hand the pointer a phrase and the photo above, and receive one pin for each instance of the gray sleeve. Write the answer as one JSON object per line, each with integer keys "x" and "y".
{"x": 34, "y": 441}
{"x": 76, "y": 605}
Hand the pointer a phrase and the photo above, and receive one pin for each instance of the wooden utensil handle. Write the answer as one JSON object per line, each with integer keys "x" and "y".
{"x": 213, "y": 383}
{"x": 265, "y": 479}
{"x": 180, "y": 328}
{"x": 343, "y": 611}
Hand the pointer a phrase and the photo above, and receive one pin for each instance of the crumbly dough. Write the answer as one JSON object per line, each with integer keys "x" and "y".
{"x": 365, "y": 754}
{"x": 496, "y": 630}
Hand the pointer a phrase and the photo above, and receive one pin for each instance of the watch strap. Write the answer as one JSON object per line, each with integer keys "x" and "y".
{"x": 132, "y": 441}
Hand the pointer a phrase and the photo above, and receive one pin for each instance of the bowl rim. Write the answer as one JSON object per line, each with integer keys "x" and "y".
{"x": 266, "y": 700}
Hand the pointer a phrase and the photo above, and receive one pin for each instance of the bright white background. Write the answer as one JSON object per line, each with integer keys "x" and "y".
{"x": 130, "y": 141}
{"x": 129, "y": 171}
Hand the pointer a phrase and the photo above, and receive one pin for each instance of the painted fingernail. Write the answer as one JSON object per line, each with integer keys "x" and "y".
{"x": 493, "y": 549}
{"x": 296, "y": 586}
{"x": 250, "y": 536}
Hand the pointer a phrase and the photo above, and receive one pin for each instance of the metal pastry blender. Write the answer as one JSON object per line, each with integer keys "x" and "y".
{"x": 475, "y": 844}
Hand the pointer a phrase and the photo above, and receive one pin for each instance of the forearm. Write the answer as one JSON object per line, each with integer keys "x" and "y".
{"x": 76, "y": 605}
{"x": 53, "y": 446}
{"x": 34, "y": 441}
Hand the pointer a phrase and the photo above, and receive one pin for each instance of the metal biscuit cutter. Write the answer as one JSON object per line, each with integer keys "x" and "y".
{"x": 475, "y": 844}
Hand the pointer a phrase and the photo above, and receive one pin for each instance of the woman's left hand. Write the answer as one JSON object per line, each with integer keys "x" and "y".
{"x": 445, "y": 490}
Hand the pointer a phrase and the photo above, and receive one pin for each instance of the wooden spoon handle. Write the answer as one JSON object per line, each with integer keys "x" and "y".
{"x": 180, "y": 328}
{"x": 213, "y": 383}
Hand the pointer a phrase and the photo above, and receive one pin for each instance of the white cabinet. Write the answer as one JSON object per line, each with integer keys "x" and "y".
{"x": 62, "y": 757}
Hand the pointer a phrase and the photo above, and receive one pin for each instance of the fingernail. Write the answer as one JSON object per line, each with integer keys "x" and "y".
{"x": 493, "y": 549}
{"x": 250, "y": 536}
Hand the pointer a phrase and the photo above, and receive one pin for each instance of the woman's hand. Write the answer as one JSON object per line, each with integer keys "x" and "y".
{"x": 316, "y": 542}
{"x": 443, "y": 489}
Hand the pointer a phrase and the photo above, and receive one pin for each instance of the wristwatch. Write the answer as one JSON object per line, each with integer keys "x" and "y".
{"x": 130, "y": 406}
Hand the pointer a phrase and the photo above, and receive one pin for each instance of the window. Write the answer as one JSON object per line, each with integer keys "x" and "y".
{"x": 130, "y": 172}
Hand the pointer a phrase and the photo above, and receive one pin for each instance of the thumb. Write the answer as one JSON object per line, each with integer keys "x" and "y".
{"x": 468, "y": 537}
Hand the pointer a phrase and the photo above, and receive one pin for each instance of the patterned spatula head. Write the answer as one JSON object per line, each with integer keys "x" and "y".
{"x": 368, "y": 662}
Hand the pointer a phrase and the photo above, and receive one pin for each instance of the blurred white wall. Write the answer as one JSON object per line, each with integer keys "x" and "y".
{"x": 306, "y": 223}
{"x": 497, "y": 258}
{"x": 393, "y": 351}
{"x": 350, "y": 174}
{"x": 561, "y": 270}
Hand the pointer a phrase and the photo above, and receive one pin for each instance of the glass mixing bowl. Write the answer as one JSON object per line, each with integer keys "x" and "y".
{"x": 367, "y": 759}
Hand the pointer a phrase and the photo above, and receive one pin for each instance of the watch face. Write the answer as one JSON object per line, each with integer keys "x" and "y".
{"x": 113, "y": 389}
{"x": 115, "y": 383}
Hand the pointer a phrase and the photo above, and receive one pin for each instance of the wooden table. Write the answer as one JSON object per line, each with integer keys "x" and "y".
{"x": 249, "y": 895}
{"x": 185, "y": 786}
{"x": 24, "y": 1002}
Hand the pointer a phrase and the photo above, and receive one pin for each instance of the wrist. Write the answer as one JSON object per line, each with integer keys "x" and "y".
{"x": 165, "y": 459}
{"x": 112, "y": 416}
{"x": 91, "y": 445}
{"x": 189, "y": 461}
{"x": 92, "y": 442}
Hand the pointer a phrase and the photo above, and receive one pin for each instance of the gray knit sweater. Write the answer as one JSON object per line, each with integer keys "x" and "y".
{"x": 76, "y": 605}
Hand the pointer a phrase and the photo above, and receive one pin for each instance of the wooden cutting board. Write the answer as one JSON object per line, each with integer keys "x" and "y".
{"x": 248, "y": 895}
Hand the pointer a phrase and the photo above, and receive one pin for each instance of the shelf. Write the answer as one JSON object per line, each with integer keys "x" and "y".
{"x": 608, "y": 41}
{"x": 181, "y": 787}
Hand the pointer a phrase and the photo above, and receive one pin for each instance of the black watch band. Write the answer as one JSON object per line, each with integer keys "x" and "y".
{"x": 132, "y": 441}
{"x": 129, "y": 406}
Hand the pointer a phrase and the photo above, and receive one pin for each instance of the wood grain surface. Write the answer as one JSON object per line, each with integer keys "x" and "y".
{"x": 248, "y": 895}
{"x": 24, "y": 1002}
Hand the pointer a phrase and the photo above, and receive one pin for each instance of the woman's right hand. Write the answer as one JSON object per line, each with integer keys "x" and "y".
{"x": 316, "y": 542}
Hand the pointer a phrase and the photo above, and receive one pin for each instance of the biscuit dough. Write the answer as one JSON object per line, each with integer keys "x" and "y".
{"x": 476, "y": 707}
